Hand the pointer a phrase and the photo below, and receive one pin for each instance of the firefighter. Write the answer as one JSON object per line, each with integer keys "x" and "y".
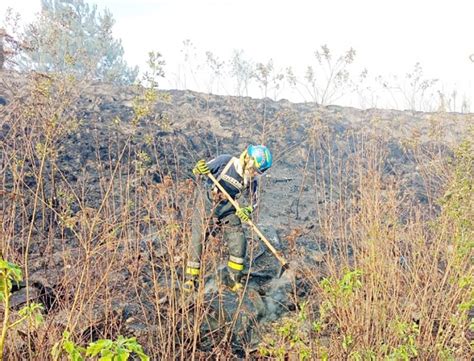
{"x": 238, "y": 176}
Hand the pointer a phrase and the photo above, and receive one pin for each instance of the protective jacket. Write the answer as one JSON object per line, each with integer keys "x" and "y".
{"x": 228, "y": 171}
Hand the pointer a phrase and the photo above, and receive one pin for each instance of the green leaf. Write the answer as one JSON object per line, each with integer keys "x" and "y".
{"x": 73, "y": 352}
{"x": 69, "y": 346}
{"x": 15, "y": 271}
{"x": 122, "y": 355}
{"x": 3, "y": 264}
{"x": 142, "y": 356}
{"x": 138, "y": 350}
{"x": 38, "y": 319}
{"x": 96, "y": 347}
{"x": 33, "y": 313}
{"x": 106, "y": 355}
{"x": 76, "y": 356}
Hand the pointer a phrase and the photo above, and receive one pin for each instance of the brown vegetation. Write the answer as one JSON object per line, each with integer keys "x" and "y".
{"x": 102, "y": 246}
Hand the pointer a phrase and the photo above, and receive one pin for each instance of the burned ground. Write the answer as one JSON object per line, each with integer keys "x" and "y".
{"x": 116, "y": 199}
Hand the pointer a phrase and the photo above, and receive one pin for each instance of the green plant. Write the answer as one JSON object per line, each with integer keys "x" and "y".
{"x": 347, "y": 342}
{"x": 407, "y": 349}
{"x": 293, "y": 338}
{"x": 365, "y": 355}
{"x": 118, "y": 350}
{"x": 155, "y": 69}
{"x": 107, "y": 350}
{"x": 445, "y": 354}
{"x": 74, "y": 351}
{"x": 10, "y": 273}
{"x": 342, "y": 289}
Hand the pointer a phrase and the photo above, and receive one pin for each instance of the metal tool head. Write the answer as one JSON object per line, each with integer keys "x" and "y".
{"x": 283, "y": 268}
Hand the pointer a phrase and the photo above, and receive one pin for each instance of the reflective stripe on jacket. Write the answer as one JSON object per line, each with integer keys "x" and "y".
{"x": 232, "y": 181}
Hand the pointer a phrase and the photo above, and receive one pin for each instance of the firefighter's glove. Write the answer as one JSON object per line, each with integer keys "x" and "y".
{"x": 201, "y": 168}
{"x": 244, "y": 213}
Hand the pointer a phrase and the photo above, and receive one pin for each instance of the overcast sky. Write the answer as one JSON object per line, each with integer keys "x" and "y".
{"x": 389, "y": 36}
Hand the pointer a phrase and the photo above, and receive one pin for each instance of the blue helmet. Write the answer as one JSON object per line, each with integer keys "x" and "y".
{"x": 261, "y": 156}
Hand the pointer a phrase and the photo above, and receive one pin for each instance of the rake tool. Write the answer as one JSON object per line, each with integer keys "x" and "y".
{"x": 284, "y": 264}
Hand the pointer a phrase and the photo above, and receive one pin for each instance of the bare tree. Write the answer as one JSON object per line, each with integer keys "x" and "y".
{"x": 263, "y": 75}
{"x": 328, "y": 79}
{"x": 366, "y": 91}
{"x": 452, "y": 101}
{"x": 9, "y": 48}
{"x": 10, "y": 39}
{"x": 410, "y": 91}
{"x": 242, "y": 70}
{"x": 216, "y": 68}
{"x": 188, "y": 67}
{"x": 269, "y": 79}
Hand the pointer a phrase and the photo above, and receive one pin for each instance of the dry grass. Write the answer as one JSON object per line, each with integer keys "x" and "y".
{"x": 113, "y": 259}
{"x": 398, "y": 273}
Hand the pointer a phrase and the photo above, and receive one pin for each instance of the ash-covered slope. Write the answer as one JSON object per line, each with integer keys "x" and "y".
{"x": 315, "y": 148}
{"x": 319, "y": 152}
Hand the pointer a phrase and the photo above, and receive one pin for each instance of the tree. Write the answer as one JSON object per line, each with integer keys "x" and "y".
{"x": 155, "y": 69}
{"x": 242, "y": 70}
{"x": 328, "y": 79}
{"x": 268, "y": 78}
{"x": 189, "y": 54}
{"x": 10, "y": 46}
{"x": 216, "y": 69}
{"x": 72, "y": 37}
{"x": 262, "y": 74}
{"x": 413, "y": 92}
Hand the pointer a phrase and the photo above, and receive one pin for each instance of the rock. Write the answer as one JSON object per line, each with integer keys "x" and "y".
{"x": 226, "y": 308}
{"x": 20, "y": 298}
{"x": 271, "y": 233}
{"x": 137, "y": 329}
{"x": 277, "y": 299}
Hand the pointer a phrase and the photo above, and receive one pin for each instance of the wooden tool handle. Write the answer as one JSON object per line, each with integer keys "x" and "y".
{"x": 255, "y": 228}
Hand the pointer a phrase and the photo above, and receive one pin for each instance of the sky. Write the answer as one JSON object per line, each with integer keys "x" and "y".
{"x": 388, "y": 36}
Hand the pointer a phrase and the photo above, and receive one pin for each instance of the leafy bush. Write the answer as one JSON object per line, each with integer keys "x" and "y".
{"x": 108, "y": 350}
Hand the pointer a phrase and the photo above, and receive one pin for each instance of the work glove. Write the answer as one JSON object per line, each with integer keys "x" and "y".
{"x": 244, "y": 213}
{"x": 201, "y": 168}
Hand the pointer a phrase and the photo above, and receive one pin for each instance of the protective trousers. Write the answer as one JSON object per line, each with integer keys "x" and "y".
{"x": 206, "y": 212}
